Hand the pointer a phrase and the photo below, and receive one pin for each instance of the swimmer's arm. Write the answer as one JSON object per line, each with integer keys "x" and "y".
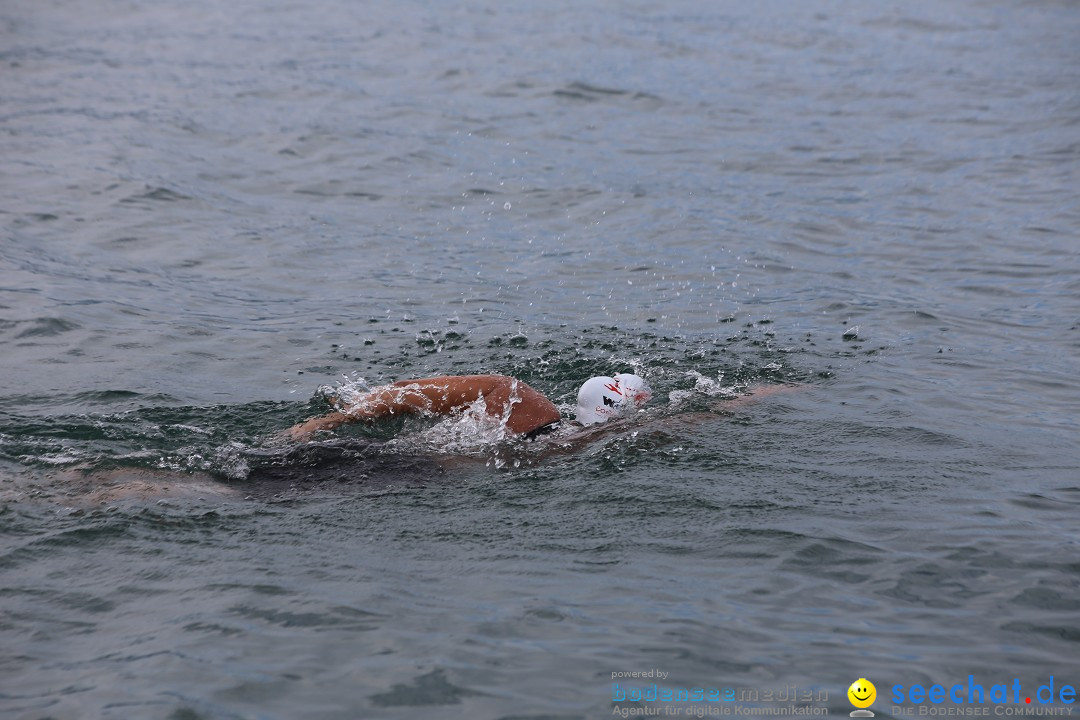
{"x": 724, "y": 406}
{"x": 525, "y": 409}
{"x": 330, "y": 421}
{"x": 400, "y": 398}
{"x": 759, "y": 392}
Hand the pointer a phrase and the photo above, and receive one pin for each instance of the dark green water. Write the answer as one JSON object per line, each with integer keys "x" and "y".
{"x": 207, "y": 212}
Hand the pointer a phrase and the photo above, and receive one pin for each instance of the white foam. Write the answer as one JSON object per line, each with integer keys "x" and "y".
{"x": 471, "y": 432}
{"x": 62, "y": 458}
{"x": 713, "y": 388}
{"x": 347, "y": 394}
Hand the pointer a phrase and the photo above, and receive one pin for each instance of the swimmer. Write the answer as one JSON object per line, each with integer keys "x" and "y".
{"x": 278, "y": 472}
{"x": 524, "y": 410}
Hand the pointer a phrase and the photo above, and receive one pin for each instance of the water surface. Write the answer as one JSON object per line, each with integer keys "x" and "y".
{"x": 210, "y": 210}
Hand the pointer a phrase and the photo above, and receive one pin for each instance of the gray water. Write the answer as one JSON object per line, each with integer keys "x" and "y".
{"x": 209, "y": 210}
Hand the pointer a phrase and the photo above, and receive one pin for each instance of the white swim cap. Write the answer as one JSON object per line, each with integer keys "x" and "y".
{"x": 634, "y": 388}
{"x": 602, "y": 398}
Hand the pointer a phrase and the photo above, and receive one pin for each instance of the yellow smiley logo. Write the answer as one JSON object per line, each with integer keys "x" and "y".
{"x": 862, "y": 693}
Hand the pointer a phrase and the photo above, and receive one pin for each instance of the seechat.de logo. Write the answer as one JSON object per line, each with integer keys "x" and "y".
{"x": 862, "y": 694}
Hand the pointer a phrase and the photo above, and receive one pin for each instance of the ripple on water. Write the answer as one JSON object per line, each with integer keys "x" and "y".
{"x": 550, "y": 204}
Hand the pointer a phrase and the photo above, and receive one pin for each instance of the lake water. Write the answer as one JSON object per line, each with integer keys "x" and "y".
{"x": 210, "y": 210}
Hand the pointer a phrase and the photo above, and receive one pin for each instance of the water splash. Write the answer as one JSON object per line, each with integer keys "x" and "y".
{"x": 349, "y": 393}
{"x": 706, "y": 386}
{"x": 474, "y": 431}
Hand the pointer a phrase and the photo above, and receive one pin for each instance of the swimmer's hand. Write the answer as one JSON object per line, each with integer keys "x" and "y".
{"x": 324, "y": 422}
{"x": 755, "y": 393}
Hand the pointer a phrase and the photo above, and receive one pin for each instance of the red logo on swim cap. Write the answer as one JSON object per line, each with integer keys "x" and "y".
{"x": 614, "y": 388}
